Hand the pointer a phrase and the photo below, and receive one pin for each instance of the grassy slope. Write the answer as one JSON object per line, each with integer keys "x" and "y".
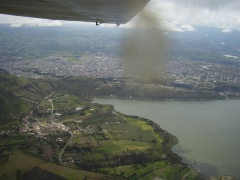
{"x": 18, "y": 95}
{"x": 15, "y": 163}
{"x": 12, "y": 106}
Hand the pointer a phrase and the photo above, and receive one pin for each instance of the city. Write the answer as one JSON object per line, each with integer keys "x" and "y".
{"x": 181, "y": 72}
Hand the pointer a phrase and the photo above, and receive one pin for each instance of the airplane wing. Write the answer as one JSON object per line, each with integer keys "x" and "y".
{"x": 99, "y": 11}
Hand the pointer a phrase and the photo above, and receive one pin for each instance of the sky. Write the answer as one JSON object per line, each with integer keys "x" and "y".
{"x": 223, "y": 14}
{"x": 173, "y": 15}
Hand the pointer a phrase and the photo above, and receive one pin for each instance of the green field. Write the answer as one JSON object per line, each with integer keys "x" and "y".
{"x": 21, "y": 162}
{"x": 105, "y": 143}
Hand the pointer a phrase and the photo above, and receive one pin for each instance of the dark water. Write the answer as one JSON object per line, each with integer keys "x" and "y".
{"x": 208, "y": 131}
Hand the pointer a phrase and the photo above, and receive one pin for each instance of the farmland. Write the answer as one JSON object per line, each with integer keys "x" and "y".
{"x": 88, "y": 138}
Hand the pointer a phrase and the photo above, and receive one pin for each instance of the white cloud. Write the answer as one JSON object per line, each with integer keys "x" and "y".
{"x": 104, "y": 25}
{"x": 187, "y": 27}
{"x": 209, "y": 4}
{"x": 150, "y": 17}
{"x": 17, "y": 21}
{"x": 176, "y": 26}
{"x": 226, "y": 30}
{"x": 15, "y": 25}
{"x": 211, "y": 13}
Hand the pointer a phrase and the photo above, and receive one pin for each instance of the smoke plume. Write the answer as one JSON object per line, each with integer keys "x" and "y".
{"x": 144, "y": 47}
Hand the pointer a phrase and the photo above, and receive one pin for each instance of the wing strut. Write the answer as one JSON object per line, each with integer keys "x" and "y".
{"x": 98, "y": 23}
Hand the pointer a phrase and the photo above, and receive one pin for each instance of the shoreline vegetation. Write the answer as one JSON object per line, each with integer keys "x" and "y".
{"x": 169, "y": 141}
{"x": 174, "y": 99}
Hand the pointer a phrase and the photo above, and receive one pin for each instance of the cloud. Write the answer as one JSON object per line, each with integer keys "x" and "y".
{"x": 210, "y": 4}
{"x": 226, "y": 30}
{"x": 163, "y": 24}
{"x": 176, "y": 26}
{"x": 187, "y": 27}
{"x": 17, "y": 21}
{"x": 210, "y": 13}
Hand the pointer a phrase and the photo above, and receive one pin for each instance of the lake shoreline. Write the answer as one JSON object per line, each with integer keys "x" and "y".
{"x": 160, "y": 125}
{"x": 150, "y": 99}
{"x": 170, "y": 139}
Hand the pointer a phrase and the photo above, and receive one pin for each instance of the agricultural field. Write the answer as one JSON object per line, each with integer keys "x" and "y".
{"x": 75, "y": 139}
{"x": 14, "y": 168}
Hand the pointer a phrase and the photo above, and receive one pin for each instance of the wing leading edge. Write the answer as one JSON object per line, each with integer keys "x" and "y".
{"x": 102, "y": 11}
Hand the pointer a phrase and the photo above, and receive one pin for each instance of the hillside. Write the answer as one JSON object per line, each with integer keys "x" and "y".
{"x": 19, "y": 95}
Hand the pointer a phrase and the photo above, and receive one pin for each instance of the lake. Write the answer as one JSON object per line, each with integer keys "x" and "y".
{"x": 208, "y": 131}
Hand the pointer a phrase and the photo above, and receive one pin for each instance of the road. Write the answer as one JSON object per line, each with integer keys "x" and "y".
{"x": 61, "y": 153}
{"x": 52, "y": 116}
{"x": 69, "y": 140}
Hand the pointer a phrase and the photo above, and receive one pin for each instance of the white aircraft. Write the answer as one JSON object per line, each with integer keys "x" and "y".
{"x": 99, "y": 11}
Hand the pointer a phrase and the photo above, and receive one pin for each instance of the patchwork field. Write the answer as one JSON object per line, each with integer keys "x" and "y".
{"x": 19, "y": 162}
{"x": 90, "y": 141}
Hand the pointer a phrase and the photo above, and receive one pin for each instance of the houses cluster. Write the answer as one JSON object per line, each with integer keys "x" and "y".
{"x": 36, "y": 129}
{"x": 33, "y": 129}
{"x": 57, "y": 126}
